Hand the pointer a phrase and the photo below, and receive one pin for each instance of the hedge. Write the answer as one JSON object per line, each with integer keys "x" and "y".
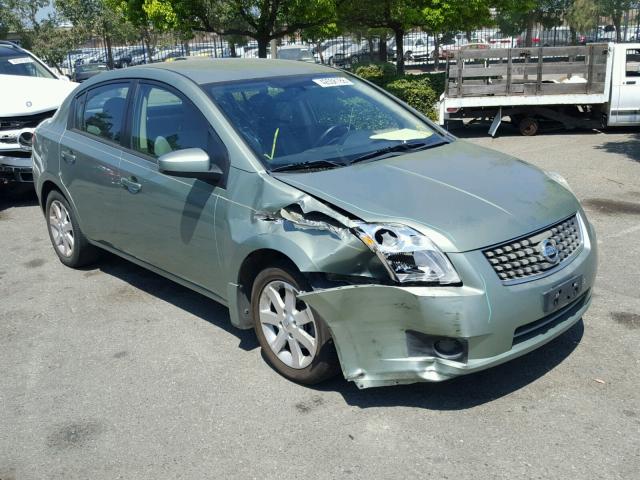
{"x": 420, "y": 91}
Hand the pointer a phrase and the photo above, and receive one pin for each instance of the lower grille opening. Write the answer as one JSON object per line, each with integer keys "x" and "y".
{"x": 542, "y": 326}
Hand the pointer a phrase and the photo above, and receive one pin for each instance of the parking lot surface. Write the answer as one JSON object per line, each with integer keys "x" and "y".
{"x": 114, "y": 372}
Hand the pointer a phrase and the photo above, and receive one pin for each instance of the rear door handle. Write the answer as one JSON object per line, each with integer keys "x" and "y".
{"x": 68, "y": 157}
{"x": 131, "y": 184}
{"x": 631, "y": 82}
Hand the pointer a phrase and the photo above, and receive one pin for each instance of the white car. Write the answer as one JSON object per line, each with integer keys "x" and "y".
{"x": 30, "y": 92}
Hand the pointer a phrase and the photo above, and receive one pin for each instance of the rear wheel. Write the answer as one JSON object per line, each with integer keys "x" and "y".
{"x": 294, "y": 341}
{"x": 71, "y": 246}
{"x": 529, "y": 126}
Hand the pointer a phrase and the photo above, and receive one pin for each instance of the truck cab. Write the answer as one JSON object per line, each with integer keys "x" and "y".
{"x": 625, "y": 85}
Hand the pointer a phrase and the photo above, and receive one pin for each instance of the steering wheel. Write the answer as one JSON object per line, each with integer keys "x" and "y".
{"x": 331, "y": 135}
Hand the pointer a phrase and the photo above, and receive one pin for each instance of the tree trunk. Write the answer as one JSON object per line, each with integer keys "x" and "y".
{"x": 574, "y": 36}
{"x": 107, "y": 41}
{"x": 186, "y": 48}
{"x": 528, "y": 42}
{"x": 617, "y": 22}
{"x": 232, "y": 49}
{"x": 399, "y": 33}
{"x": 263, "y": 43}
{"x": 436, "y": 52}
{"x": 382, "y": 49}
{"x": 319, "y": 50}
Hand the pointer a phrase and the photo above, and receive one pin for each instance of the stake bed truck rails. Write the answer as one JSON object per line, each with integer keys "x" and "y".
{"x": 595, "y": 85}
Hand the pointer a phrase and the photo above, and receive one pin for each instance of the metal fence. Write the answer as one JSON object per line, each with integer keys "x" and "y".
{"x": 422, "y": 50}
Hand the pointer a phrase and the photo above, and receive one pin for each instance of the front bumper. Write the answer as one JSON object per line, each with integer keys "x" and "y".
{"x": 15, "y": 156}
{"x": 371, "y": 324}
{"x": 15, "y": 168}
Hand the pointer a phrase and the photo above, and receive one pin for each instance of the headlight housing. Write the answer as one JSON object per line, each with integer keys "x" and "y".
{"x": 408, "y": 255}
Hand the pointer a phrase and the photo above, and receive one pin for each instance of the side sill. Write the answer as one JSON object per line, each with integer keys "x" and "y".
{"x": 159, "y": 271}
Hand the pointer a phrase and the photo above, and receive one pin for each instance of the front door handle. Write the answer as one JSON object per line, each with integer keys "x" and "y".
{"x": 131, "y": 184}
{"x": 631, "y": 82}
{"x": 68, "y": 157}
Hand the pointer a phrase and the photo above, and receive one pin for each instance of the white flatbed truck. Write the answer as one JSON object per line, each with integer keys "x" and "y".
{"x": 588, "y": 86}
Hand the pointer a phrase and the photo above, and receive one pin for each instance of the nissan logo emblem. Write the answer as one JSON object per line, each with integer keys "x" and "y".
{"x": 549, "y": 250}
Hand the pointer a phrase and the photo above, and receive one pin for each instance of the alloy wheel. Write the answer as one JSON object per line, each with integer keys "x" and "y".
{"x": 288, "y": 324}
{"x": 61, "y": 228}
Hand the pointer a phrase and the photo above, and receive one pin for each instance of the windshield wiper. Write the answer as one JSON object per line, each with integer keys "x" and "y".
{"x": 400, "y": 147}
{"x": 316, "y": 164}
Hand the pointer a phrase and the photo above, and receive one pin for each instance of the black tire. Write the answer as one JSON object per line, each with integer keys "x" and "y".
{"x": 325, "y": 363}
{"x": 529, "y": 126}
{"x": 82, "y": 253}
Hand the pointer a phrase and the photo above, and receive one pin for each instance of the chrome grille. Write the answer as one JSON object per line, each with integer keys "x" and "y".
{"x": 523, "y": 259}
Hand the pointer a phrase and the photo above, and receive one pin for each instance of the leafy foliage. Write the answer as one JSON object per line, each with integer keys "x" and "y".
{"x": 378, "y": 73}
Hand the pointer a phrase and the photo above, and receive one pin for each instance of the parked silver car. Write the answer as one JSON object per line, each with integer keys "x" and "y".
{"x": 341, "y": 225}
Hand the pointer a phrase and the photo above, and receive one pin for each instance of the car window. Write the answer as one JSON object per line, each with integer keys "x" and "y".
{"x": 633, "y": 63}
{"x": 163, "y": 122}
{"x": 104, "y": 110}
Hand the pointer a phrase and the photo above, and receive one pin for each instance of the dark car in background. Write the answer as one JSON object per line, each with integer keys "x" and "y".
{"x": 85, "y": 72}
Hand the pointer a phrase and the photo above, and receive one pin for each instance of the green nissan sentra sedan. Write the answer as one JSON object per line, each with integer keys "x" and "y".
{"x": 343, "y": 226}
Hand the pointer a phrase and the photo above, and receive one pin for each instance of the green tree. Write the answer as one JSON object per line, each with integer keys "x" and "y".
{"x": 441, "y": 16}
{"x": 583, "y": 16}
{"x": 399, "y": 16}
{"x": 317, "y": 34}
{"x": 96, "y": 18}
{"x": 616, "y": 9}
{"x": 38, "y": 33}
{"x": 516, "y": 16}
{"x": 262, "y": 20}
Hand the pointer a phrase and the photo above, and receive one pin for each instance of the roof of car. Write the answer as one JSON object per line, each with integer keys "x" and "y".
{"x": 207, "y": 70}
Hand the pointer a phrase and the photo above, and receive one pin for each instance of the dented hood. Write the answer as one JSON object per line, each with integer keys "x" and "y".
{"x": 23, "y": 95}
{"x": 467, "y": 196}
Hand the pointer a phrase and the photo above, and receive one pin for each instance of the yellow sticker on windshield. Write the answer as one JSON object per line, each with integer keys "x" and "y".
{"x": 403, "y": 134}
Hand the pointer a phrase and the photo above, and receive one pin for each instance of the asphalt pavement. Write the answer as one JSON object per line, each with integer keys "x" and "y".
{"x": 114, "y": 372}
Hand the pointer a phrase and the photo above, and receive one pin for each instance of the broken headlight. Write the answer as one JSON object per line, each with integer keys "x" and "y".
{"x": 408, "y": 255}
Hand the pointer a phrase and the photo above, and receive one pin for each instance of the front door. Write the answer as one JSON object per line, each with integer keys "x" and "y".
{"x": 168, "y": 220}
{"x": 628, "y": 98}
{"x": 90, "y": 158}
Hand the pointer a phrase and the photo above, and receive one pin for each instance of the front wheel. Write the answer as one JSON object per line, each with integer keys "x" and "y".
{"x": 294, "y": 341}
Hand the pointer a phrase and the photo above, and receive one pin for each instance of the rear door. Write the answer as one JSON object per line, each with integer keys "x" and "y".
{"x": 90, "y": 156}
{"x": 168, "y": 220}
{"x": 626, "y": 87}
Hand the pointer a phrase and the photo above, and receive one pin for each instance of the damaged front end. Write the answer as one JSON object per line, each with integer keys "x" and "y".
{"x": 16, "y": 139}
{"x": 399, "y": 309}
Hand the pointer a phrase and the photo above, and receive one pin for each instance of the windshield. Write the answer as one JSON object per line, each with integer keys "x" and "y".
{"x": 16, "y": 62}
{"x": 312, "y": 118}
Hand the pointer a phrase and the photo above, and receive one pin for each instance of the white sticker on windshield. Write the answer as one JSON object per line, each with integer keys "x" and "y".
{"x": 18, "y": 61}
{"x": 332, "y": 82}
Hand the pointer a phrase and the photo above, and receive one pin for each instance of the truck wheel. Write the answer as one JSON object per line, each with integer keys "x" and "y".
{"x": 529, "y": 126}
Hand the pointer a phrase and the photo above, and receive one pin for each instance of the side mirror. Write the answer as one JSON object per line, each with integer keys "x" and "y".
{"x": 190, "y": 163}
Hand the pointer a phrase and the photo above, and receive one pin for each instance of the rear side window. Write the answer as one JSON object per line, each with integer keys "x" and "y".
{"x": 104, "y": 109}
{"x": 163, "y": 122}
